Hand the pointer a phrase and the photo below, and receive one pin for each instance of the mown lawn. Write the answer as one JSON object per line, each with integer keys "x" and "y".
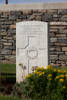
{"x": 8, "y": 73}
{"x": 11, "y": 98}
{"x": 8, "y": 68}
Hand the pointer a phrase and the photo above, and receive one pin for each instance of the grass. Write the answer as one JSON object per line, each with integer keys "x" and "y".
{"x": 8, "y": 73}
{"x": 9, "y": 98}
{"x": 12, "y": 98}
{"x": 8, "y": 68}
{"x": 64, "y": 68}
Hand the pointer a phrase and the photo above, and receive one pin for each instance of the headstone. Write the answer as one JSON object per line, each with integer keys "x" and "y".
{"x": 31, "y": 47}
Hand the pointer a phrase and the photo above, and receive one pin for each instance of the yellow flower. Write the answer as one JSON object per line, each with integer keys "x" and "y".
{"x": 49, "y": 78}
{"x": 39, "y": 68}
{"x": 57, "y": 77}
{"x": 61, "y": 80}
{"x": 55, "y": 70}
{"x": 61, "y": 75}
{"x": 64, "y": 71}
{"x": 65, "y": 75}
{"x": 59, "y": 71}
{"x": 41, "y": 73}
{"x": 35, "y": 72}
{"x": 29, "y": 75}
{"x": 42, "y": 68}
{"x": 49, "y": 75}
{"x": 64, "y": 87}
{"x": 49, "y": 67}
{"x": 38, "y": 72}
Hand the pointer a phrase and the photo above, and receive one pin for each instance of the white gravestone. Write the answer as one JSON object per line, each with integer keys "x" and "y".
{"x": 31, "y": 47}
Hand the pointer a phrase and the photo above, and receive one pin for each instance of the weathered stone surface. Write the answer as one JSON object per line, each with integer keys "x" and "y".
{"x": 31, "y": 47}
{"x": 4, "y": 33}
{"x": 53, "y": 30}
{"x": 26, "y": 12}
{"x": 65, "y": 53}
{"x": 6, "y": 52}
{"x": 62, "y": 12}
{"x": 13, "y": 26}
{"x": 55, "y": 49}
{"x": 63, "y": 57}
{"x": 64, "y": 48}
{"x": 52, "y": 11}
{"x": 57, "y": 52}
{"x": 1, "y": 57}
{"x": 53, "y": 39}
{"x": 56, "y": 26}
{"x": 53, "y": 57}
{"x": 13, "y": 52}
{"x": 60, "y": 44}
{"x": 52, "y": 34}
{"x": 7, "y": 44}
{"x": 47, "y": 17}
{"x": 64, "y": 31}
{"x": 38, "y": 18}
{"x": 58, "y": 23}
{"x": 0, "y": 36}
{"x": 61, "y": 35}
{"x": 63, "y": 18}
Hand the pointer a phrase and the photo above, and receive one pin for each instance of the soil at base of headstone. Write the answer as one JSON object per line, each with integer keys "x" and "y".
{"x": 6, "y": 88}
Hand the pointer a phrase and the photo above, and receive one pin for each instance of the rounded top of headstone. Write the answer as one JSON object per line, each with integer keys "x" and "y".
{"x": 30, "y": 22}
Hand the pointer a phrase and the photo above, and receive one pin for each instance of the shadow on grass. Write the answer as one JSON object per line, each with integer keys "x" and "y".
{"x": 7, "y": 82}
{"x": 8, "y": 78}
